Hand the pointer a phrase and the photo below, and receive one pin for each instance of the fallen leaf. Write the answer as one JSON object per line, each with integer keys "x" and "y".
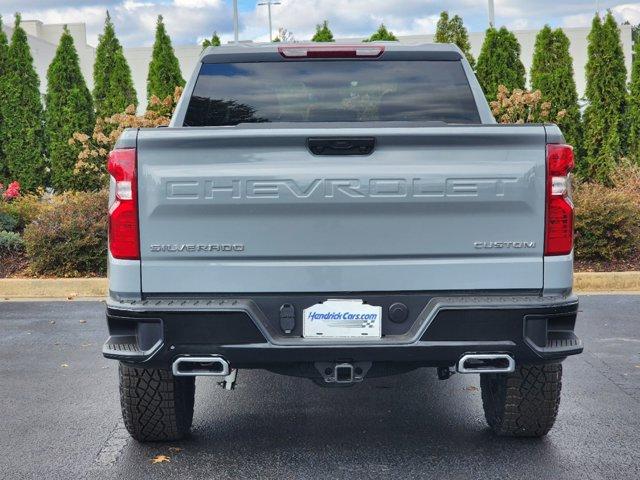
{"x": 160, "y": 459}
{"x": 175, "y": 449}
{"x": 83, "y": 321}
{"x": 64, "y": 365}
{"x": 471, "y": 388}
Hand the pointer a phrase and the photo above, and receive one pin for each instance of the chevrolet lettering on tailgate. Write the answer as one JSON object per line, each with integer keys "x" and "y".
{"x": 335, "y": 187}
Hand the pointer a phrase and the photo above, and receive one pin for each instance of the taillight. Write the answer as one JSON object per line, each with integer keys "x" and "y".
{"x": 559, "y": 208}
{"x": 124, "y": 240}
{"x": 331, "y": 51}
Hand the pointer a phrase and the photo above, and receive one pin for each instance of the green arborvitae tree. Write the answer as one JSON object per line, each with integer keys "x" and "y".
{"x": 164, "y": 69}
{"x": 23, "y": 131}
{"x": 382, "y": 34}
{"x": 633, "y": 118}
{"x": 499, "y": 62}
{"x": 69, "y": 110}
{"x": 606, "y": 92}
{"x": 452, "y": 30}
{"x": 113, "y": 89}
{"x": 552, "y": 74}
{"x": 214, "y": 41}
{"x": 323, "y": 33}
{"x": 4, "y": 70}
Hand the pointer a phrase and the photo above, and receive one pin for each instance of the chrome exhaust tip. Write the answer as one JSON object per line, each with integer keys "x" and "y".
{"x": 200, "y": 367}
{"x": 486, "y": 363}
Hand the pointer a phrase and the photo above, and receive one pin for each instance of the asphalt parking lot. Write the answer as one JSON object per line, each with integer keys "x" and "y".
{"x": 60, "y": 414}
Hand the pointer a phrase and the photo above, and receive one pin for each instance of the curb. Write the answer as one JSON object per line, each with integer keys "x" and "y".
{"x": 58, "y": 288}
{"x": 78, "y": 288}
{"x": 590, "y": 282}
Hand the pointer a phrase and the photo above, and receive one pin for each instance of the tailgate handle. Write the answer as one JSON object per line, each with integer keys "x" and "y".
{"x": 341, "y": 145}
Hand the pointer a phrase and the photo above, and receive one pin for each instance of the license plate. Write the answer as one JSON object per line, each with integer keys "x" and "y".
{"x": 342, "y": 319}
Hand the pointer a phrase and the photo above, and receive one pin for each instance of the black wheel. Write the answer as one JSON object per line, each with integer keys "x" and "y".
{"x": 523, "y": 403}
{"x": 156, "y": 406}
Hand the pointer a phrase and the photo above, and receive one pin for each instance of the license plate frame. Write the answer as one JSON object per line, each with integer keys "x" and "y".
{"x": 342, "y": 319}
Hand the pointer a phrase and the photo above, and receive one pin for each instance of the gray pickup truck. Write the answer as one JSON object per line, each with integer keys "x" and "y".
{"x": 339, "y": 212}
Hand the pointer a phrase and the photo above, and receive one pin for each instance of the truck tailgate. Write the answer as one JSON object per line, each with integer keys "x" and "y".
{"x": 226, "y": 210}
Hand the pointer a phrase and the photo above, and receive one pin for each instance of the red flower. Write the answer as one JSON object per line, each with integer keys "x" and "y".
{"x": 12, "y": 191}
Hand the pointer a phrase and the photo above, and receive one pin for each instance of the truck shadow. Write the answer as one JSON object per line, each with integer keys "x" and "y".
{"x": 405, "y": 426}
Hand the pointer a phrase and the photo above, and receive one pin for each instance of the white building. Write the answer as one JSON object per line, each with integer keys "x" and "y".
{"x": 43, "y": 40}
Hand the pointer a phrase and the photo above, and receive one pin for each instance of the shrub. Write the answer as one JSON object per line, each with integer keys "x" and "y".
{"x": 10, "y": 242}
{"x": 23, "y": 209}
{"x": 12, "y": 191}
{"x": 164, "y": 68}
{"x": 8, "y": 222}
{"x": 606, "y": 93}
{"x": 4, "y": 70}
{"x": 12, "y": 211}
{"x": 520, "y": 106}
{"x": 633, "y": 112}
{"x": 69, "y": 238}
{"x": 607, "y": 222}
{"x": 499, "y": 62}
{"x": 323, "y": 33}
{"x": 22, "y": 115}
{"x": 452, "y": 30}
{"x": 284, "y": 36}
{"x": 626, "y": 178}
{"x": 90, "y": 171}
{"x": 113, "y": 87}
{"x": 382, "y": 35}
{"x": 214, "y": 41}
{"x": 552, "y": 73}
{"x": 69, "y": 110}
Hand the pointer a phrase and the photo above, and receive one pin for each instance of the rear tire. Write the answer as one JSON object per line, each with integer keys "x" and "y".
{"x": 156, "y": 406}
{"x": 523, "y": 403}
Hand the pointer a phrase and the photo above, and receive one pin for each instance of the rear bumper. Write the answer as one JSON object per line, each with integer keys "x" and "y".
{"x": 437, "y": 332}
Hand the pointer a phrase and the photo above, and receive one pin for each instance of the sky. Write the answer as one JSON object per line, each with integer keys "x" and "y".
{"x": 189, "y": 21}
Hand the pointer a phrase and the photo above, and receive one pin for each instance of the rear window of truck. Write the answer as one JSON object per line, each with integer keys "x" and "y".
{"x": 228, "y": 94}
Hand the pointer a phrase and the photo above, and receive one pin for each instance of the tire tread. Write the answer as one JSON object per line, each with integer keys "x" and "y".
{"x": 523, "y": 403}
{"x": 156, "y": 406}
